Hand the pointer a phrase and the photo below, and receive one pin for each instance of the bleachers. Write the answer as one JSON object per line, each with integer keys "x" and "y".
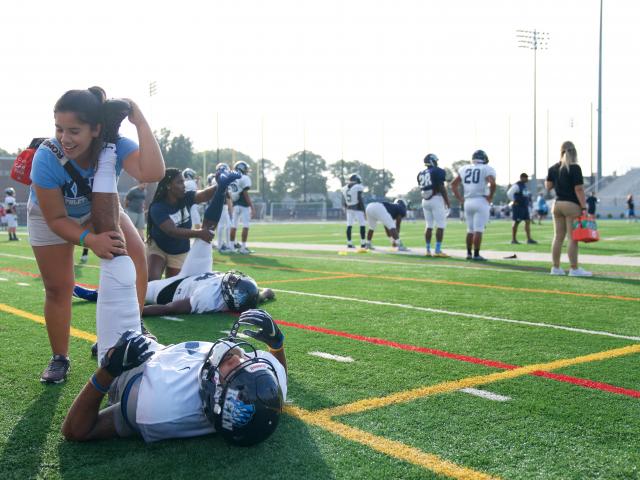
{"x": 613, "y": 196}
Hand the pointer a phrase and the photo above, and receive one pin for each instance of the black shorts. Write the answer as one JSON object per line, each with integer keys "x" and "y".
{"x": 520, "y": 213}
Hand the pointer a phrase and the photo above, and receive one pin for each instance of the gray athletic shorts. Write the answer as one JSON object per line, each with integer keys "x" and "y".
{"x": 40, "y": 235}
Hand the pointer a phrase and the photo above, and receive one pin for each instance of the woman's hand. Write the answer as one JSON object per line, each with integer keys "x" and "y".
{"x": 204, "y": 234}
{"x": 136, "y": 117}
{"x": 106, "y": 244}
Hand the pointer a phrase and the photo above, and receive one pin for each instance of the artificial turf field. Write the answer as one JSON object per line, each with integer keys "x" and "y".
{"x": 556, "y": 360}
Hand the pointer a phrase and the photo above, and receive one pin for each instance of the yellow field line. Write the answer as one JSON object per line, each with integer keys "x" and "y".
{"x": 391, "y": 448}
{"x": 445, "y": 387}
{"x": 37, "y": 318}
{"x": 447, "y": 282}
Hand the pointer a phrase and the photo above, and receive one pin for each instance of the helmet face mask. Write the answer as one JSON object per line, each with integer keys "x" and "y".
{"x": 222, "y": 167}
{"x": 245, "y": 405}
{"x": 239, "y": 291}
{"x": 479, "y": 156}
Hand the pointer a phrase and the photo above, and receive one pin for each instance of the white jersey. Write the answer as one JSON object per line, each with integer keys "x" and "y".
{"x": 204, "y": 292}
{"x": 474, "y": 179}
{"x": 169, "y": 403}
{"x": 237, "y": 187}
{"x": 350, "y": 194}
{"x": 190, "y": 186}
{"x": 9, "y": 202}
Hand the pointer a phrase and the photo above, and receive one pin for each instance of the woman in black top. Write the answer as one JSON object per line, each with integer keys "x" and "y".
{"x": 565, "y": 177}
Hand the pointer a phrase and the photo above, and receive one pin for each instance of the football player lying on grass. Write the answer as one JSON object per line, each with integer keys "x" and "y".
{"x": 184, "y": 390}
{"x": 196, "y": 289}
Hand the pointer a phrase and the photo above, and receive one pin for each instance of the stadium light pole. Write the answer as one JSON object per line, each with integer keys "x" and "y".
{"x": 599, "y": 174}
{"x": 534, "y": 40}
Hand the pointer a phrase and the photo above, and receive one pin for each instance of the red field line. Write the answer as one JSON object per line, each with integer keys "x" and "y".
{"x": 429, "y": 351}
{"x": 466, "y": 358}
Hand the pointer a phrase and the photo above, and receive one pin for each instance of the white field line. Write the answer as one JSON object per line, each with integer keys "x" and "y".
{"x": 173, "y": 319}
{"x": 2, "y": 279}
{"x": 433, "y": 264}
{"x": 330, "y": 356}
{"x": 462, "y": 314}
{"x": 22, "y": 284}
{"x": 485, "y": 394}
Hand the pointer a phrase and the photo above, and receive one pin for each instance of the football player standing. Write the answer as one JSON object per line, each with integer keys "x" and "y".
{"x": 11, "y": 212}
{"x": 243, "y": 209}
{"x": 479, "y": 184}
{"x": 435, "y": 203}
{"x": 354, "y": 205}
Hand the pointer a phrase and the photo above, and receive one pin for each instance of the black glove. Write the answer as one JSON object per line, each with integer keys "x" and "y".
{"x": 268, "y": 332}
{"x": 130, "y": 351}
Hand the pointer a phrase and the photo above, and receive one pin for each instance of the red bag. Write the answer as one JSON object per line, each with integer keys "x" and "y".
{"x": 21, "y": 170}
{"x": 585, "y": 229}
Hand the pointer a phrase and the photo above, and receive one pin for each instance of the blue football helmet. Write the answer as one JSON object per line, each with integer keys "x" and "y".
{"x": 244, "y": 406}
{"x": 222, "y": 166}
{"x": 10, "y": 191}
{"x": 239, "y": 291}
{"x": 242, "y": 167}
{"x": 355, "y": 178}
{"x": 402, "y": 205}
{"x": 479, "y": 156}
{"x": 431, "y": 160}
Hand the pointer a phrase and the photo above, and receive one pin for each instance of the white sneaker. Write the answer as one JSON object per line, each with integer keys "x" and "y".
{"x": 579, "y": 272}
{"x": 244, "y": 251}
{"x": 557, "y": 271}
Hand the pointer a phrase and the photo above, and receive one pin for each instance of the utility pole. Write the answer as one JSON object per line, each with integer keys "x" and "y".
{"x": 534, "y": 40}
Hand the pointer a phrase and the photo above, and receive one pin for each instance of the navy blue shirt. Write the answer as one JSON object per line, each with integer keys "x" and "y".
{"x": 522, "y": 197}
{"x": 430, "y": 179}
{"x": 159, "y": 212}
{"x": 394, "y": 209}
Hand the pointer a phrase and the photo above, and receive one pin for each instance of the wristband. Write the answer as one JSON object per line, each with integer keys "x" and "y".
{"x": 280, "y": 347}
{"x": 97, "y": 386}
{"x": 83, "y": 236}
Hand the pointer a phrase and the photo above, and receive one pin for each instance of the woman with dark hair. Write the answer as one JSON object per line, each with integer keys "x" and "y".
{"x": 169, "y": 224}
{"x": 565, "y": 177}
{"x": 59, "y": 207}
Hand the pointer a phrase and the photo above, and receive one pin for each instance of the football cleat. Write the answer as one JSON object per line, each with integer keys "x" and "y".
{"x": 440, "y": 255}
{"x": 87, "y": 294}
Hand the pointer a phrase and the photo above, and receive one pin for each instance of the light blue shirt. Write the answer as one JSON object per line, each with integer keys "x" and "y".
{"x": 47, "y": 172}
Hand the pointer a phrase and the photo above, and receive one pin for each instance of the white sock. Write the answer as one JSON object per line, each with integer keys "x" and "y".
{"x": 105, "y": 180}
{"x": 117, "y": 310}
{"x": 199, "y": 259}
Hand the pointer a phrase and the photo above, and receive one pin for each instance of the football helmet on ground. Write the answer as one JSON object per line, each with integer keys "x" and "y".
{"x": 239, "y": 291}
{"x": 431, "y": 160}
{"x": 245, "y": 404}
{"x": 479, "y": 156}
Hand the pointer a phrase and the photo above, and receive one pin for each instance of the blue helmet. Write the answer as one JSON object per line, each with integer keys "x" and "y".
{"x": 239, "y": 291}
{"x": 479, "y": 156}
{"x": 244, "y": 406}
{"x": 355, "y": 178}
{"x": 402, "y": 206}
{"x": 242, "y": 167}
{"x": 222, "y": 166}
{"x": 431, "y": 160}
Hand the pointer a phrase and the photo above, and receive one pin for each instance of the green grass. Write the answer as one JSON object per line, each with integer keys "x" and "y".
{"x": 549, "y": 429}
